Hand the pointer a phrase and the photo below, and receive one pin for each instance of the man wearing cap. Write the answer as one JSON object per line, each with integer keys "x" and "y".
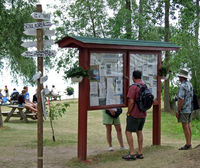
{"x": 185, "y": 96}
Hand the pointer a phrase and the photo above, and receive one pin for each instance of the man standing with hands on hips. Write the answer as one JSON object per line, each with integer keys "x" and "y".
{"x": 184, "y": 111}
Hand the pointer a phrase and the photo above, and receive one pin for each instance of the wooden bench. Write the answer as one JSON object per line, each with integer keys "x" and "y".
{"x": 20, "y": 113}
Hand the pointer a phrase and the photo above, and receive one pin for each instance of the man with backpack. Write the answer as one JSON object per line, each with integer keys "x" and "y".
{"x": 184, "y": 111}
{"x": 136, "y": 114}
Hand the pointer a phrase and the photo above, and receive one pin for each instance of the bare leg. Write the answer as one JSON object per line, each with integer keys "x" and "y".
{"x": 140, "y": 141}
{"x": 129, "y": 138}
{"x": 31, "y": 108}
{"x": 108, "y": 134}
{"x": 187, "y": 133}
{"x": 190, "y": 131}
{"x": 119, "y": 135}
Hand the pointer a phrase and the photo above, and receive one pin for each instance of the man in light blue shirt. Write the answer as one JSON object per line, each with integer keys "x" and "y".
{"x": 184, "y": 111}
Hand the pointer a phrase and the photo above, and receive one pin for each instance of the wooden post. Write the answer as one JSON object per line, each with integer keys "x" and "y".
{"x": 39, "y": 88}
{"x": 157, "y": 109}
{"x": 1, "y": 118}
{"x": 83, "y": 107}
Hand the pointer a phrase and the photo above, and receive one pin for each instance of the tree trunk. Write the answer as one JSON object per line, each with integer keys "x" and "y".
{"x": 128, "y": 21}
{"x": 92, "y": 18}
{"x": 140, "y": 20}
{"x": 194, "y": 77}
{"x": 167, "y": 55}
{"x": 1, "y": 119}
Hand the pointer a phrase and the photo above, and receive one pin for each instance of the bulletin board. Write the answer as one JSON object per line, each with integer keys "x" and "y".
{"x": 106, "y": 79}
{"x": 147, "y": 64}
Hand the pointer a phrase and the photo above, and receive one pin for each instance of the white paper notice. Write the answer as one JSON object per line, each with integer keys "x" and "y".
{"x": 94, "y": 100}
{"x": 93, "y": 88}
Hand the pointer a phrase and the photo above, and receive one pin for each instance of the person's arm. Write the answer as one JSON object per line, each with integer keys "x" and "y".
{"x": 131, "y": 104}
{"x": 180, "y": 104}
{"x": 112, "y": 111}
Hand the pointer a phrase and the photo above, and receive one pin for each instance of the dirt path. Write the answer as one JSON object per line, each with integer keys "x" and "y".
{"x": 57, "y": 157}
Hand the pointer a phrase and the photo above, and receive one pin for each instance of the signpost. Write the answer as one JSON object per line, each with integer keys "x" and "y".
{"x": 43, "y": 53}
{"x": 37, "y": 25}
{"x": 32, "y": 32}
{"x": 36, "y": 76}
{"x": 43, "y": 79}
{"x": 37, "y": 15}
{"x": 34, "y": 43}
{"x": 36, "y": 29}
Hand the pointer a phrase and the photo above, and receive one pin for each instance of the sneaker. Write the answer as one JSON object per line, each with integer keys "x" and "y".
{"x": 129, "y": 157}
{"x": 111, "y": 148}
{"x": 123, "y": 148}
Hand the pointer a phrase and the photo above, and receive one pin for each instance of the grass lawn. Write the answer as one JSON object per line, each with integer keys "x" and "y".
{"x": 17, "y": 135}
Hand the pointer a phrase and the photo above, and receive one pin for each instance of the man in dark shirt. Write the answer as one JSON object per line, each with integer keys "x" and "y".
{"x": 135, "y": 119}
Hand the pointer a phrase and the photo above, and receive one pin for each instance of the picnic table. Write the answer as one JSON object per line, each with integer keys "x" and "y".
{"x": 17, "y": 111}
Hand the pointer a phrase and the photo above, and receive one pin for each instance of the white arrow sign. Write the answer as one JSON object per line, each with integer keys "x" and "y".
{"x": 34, "y": 43}
{"x": 37, "y": 15}
{"x": 37, "y": 25}
{"x": 46, "y": 91}
{"x": 39, "y": 53}
{"x": 43, "y": 104}
{"x": 33, "y": 32}
{"x": 36, "y": 76}
{"x": 43, "y": 79}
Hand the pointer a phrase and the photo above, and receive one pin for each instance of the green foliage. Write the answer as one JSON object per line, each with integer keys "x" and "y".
{"x": 163, "y": 71}
{"x": 76, "y": 71}
{"x": 13, "y": 15}
{"x": 70, "y": 91}
{"x": 58, "y": 110}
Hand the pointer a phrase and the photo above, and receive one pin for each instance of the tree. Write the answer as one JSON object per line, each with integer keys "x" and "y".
{"x": 167, "y": 56}
{"x": 13, "y": 15}
{"x": 83, "y": 18}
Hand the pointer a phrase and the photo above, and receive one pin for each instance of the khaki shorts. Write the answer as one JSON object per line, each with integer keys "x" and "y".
{"x": 185, "y": 117}
{"x": 110, "y": 120}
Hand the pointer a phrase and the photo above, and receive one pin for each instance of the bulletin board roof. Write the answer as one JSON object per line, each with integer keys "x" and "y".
{"x": 92, "y": 42}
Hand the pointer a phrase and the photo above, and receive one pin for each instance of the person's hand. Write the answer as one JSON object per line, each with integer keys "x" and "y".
{"x": 112, "y": 112}
{"x": 177, "y": 115}
{"x": 128, "y": 114}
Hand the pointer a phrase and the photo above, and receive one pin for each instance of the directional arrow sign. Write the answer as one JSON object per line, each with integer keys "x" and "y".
{"x": 46, "y": 91}
{"x": 43, "y": 104}
{"x": 36, "y": 76}
{"x": 39, "y": 53}
{"x": 37, "y": 25}
{"x": 43, "y": 79}
{"x": 34, "y": 43}
{"x": 33, "y": 32}
{"x": 37, "y": 15}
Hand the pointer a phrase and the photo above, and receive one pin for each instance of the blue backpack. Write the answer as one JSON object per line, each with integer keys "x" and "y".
{"x": 145, "y": 100}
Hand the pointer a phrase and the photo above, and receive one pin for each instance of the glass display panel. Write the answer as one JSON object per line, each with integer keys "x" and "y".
{"x": 106, "y": 79}
{"x": 147, "y": 64}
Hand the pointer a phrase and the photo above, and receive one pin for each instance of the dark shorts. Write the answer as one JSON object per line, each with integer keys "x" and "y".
{"x": 134, "y": 124}
{"x": 185, "y": 117}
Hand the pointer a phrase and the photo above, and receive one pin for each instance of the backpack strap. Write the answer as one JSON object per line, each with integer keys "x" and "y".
{"x": 139, "y": 85}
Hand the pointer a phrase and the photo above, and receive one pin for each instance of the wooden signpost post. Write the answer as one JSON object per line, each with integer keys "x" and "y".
{"x": 36, "y": 29}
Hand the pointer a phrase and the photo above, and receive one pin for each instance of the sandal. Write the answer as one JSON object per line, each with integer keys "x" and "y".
{"x": 185, "y": 147}
{"x": 139, "y": 156}
{"x": 129, "y": 157}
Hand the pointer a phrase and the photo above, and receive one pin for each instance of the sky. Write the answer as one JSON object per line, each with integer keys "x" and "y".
{"x": 53, "y": 77}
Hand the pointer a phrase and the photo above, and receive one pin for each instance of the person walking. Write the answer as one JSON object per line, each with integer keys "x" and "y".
{"x": 108, "y": 121}
{"x": 184, "y": 110}
{"x": 135, "y": 119}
